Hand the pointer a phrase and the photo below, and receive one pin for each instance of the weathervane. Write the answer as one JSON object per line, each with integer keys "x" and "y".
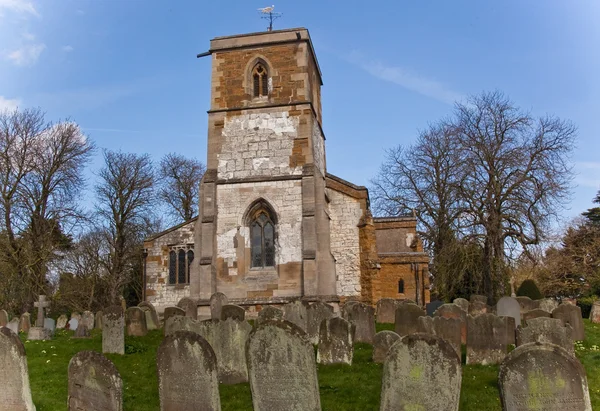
{"x": 270, "y": 15}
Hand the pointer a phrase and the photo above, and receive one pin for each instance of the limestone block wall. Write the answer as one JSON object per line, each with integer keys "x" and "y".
{"x": 318, "y": 143}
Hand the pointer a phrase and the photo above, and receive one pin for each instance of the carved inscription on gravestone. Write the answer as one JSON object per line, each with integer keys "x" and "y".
{"x": 94, "y": 383}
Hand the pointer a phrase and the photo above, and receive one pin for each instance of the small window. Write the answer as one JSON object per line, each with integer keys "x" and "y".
{"x": 180, "y": 263}
{"x": 172, "y": 267}
{"x": 182, "y": 268}
{"x": 401, "y": 287}
{"x": 260, "y": 78}
{"x": 262, "y": 233}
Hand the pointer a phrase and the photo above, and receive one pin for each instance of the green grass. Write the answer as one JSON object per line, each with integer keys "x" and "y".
{"x": 342, "y": 387}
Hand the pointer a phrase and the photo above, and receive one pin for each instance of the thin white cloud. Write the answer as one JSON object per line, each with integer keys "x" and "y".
{"x": 18, "y": 6}
{"x": 68, "y": 48}
{"x": 588, "y": 174}
{"x": 26, "y": 55}
{"x": 404, "y": 78}
{"x": 27, "y": 35}
{"x": 8, "y": 104}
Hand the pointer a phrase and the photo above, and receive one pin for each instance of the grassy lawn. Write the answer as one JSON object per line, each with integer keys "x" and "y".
{"x": 342, "y": 387}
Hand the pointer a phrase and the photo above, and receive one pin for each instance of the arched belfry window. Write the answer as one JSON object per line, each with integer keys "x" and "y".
{"x": 261, "y": 221}
{"x": 260, "y": 78}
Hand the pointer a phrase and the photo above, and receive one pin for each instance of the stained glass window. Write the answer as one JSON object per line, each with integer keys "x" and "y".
{"x": 260, "y": 78}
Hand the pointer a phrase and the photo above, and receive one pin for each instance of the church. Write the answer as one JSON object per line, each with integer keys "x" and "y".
{"x": 273, "y": 225}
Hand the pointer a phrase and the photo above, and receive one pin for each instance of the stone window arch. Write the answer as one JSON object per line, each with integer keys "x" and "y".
{"x": 260, "y": 80}
{"x": 180, "y": 260}
{"x": 262, "y": 223}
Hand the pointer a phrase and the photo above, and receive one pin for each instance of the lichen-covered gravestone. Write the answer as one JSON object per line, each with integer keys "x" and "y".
{"x": 82, "y": 331}
{"x": 77, "y": 316}
{"x": 382, "y": 342}
{"x": 113, "y": 330}
{"x": 295, "y": 312}
{"x": 152, "y": 322}
{"x": 94, "y": 383}
{"x": 3, "y": 318}
{"x": 187, "y": 373}
{"x": 462, "y": 303}
{"x": 446, "y": 328}
{"x": 547, "y": 304}
{"x": 171, "y": 312}
{"x": 571, "y": 314}
{"x": 547, "y": 331}
{"x": 135, "y": 320}
{"x": 363, "y": 318}
{"x": 454, "y": 311}
{"x": 336, "y": 342}
{"x": 595, "y": 313}
{"x": 62, "y": 321}
{"x": 282, "y": 368}
{"x": 486, "y": 339}
{"x": 87, "y": 319}
{"x": 407, "y": 319}
{"x": 25, "y": 322}
{"x": 528, "y": 315}
{"x": 509, "y": 307}
{"x": 15, "y": 394}
{"x": 233, "y": 311}
{"x": 217, "y": 301}
{"x": 386, "y": 310}
{"x": 477, "y": 308}
{"x": 421, "y": 372}
{"x": 190, "y": 306}
{"x": 317, "y": 312}
{"x": 268, "y": 313}
{"x": 543, "y": 377}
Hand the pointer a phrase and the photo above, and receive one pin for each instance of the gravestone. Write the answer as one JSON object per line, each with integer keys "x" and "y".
{"x": 190, "y": 306}
{"x": 94, "y": 383}
{"x": 509, "y": 307}
{"x": 571, "y": 314}
{"x": 414, "y": 365}
{"x": 336, "y": 342}
{"x": 181, "y": 323}
{"x": 13, "y": 325}
{"x": 316, "y": 313}
{"x": 293, "y": 387}
{"x": 543, "y": 377}
{"x": 187, "y": 373}
{"x": 547, "y": 304}
{"x": 217, "y": 301}
{"x": 15, "y": 394}
{"x": 594, "y": 313}
{"x": 87, "y": 319}
{"x": 62, "y": 321}
{"x": 386, "y": 310}
{"x": 511, "y": 331}
{"x": 233, "y": 311}
{"x": 73, "y": 324}
{"x": 25, "y": 323}
{"x": 152, "y": 322}
{"x": 486, "y": 339}
{"x": 528, "y": 315}
{"x": 135, "y": 320}
{"x": 546, "y": 331}
{"x": 462, "y": 303}
{"x": 431, "y": 307}
{"x": 41, "y": 305}
{"x": 82, "y": 331}
{"x": 407, "y": 319}
{"x": 478, "y": 299}
{"x": 363, "y": 318}
{"x": 98, "y": 320}
{"x": 454, "y": 311}
{"x": 295, "y": 312}
{"x": 50, "y": 325}
{"x": 447, "y": 328}
{"x": 268, "y": 313}
{"x": 77, "y": 316}
{"x": 3, "y": 318}
{"x": 526, "y": 303}
{"x": 172, "y": 311}
{"x": 477, "y": 308}
{"x": 382, "y": 342}
{"x": 113, "y": 330}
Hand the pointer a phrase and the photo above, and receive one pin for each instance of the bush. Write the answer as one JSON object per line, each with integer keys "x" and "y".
{"x": 528, "y": 288}
{"x": 585, "y": 303}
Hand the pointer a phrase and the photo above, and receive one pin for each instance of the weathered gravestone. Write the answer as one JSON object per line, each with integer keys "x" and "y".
{"x": 268, "y": 313}
{"x": 511, "y": 330}
{"x": 13, "y": 325}
{"x": 477, "y": 308}
{"x": 187, "y": 373}
{"x": 526, "y": 303}
{"x": 73, "y": 324}
{"x": 217, "y": 301}
{"x": 594, "y": 313}
{"x": 3, "y": 318}
{"x": 295, "y": 312}
{"x": 432, "y": 307}
{"x": 82, "y": 331}
{"x": 546, "y": 331}
{"x": 62, "y": 321}
{"x": 50, "y": 325}
{"x": 181, "y": 323}
{"x": 382, "y": 342}
{"x": 25, "y": 322}
{"x": 94, "y": 383}
{"x": 135, "y": 320}
{"x": 486, "y": 339}
{"x": 171, "y": 312}
{"x": 363, "y": 318}
{"x": 77, "y": 316}
{"x": 316, "y": 313}
{"x": 190, "y": 306}
{"x": 282, "y": 368}
{"x": 462, "y": 303}
{"x": 543, "y": 377}
{"x": 547, "y": 304}
{"x": 98, "y": 320}
{"x": 407, "y": 319}
{"x": 152, "y": 322}
{"x": 447, "y": 328}
{"x": 571, "y": 314}
{"x": 509, "y": 307}
{"x": 87, "y": 319}
{"x": 113, "y": 330}
{"x": 414, "y": 365}
{"x": 15, "y": 394}
{"x": 336, "y": 342}
{"x": 478, "y": 299}
{"x": 41, "y": 305}
{"x": 234, "y": 312}
{"x": 454, "y": 311}
{"x": 537, "y": 313}
{"x": 386, "y": 310}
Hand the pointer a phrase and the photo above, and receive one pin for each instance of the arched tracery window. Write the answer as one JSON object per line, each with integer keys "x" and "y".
{"x": 180, "y": 261}
{"x": 262, "y": 234}
{"x": 260, "y": 78}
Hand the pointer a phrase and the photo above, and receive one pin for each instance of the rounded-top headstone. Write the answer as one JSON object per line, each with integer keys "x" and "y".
{"x": 595, "y": 312}
{"x": 454, "y": 311}
{"x": 546, "y": 331}
{"x": 407, "y": 319}
{"x": 113, "y": 330}
{"x": 336, "y": 341}
{"x": 217, "y": 301}
{"x": 316, "y": 313}
{"x": 190, "y": 306}
{"x": 15, "y": 394}
{"x": 268, "y": 313}
{"x": 295, "y": 312}
{"x": 571, "y": 314}
{"x": 135, "y": 320}
{"x": 62, "y": 321}
{"x": 363, "y": 318}
{"x": 462, "y": 303}
{"x": 94, "y": 383}
{"x": 386, "y": 310}
{"x": 509, "y": 307}
{"x": 171, "y": 312}
{"x": 382, "y": 342}
{"x": 3, "y": 318}
{"x": 87, "y": 319}
{"x": 233, "y": 311}
{"x": 152, "y": 321}
{"x": 25, "y": 322}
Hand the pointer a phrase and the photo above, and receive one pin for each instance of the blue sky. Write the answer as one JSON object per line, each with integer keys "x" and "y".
{"x": 126, "y": 70}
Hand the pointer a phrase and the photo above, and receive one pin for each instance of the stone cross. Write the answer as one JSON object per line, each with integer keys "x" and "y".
{"x": 41, "y": 304}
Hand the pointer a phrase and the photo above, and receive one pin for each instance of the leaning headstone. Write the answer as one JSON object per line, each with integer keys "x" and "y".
{"x": 217, "y": 301}
{"x": 94, "y": 383}
{"x": 82, "y": 331}
{"x": 187, "y": 373}
{"x": 113, "y": 330}
{"x": 543, "y": 377}
{"x": 509, "y": 307}
{"x": 98, "y": 320}
{"x": 171, "y": 312}
{"x": 462, "y": 303}
{"x": 62, "y": 321}
{"x": 25, "y": 323}
{"x": 50, "y": 325}
{"x": 478, "y": 299}
{"x": 407, "y": 319}
{"x": 152, "y": 322}
{"x": 295, "y": 312}
{"x": 382, "y": 342}
{"x": 316, "y": 313}
{"x": 571, "y": 314}
{"x": 268, "y": 313}
{"x": 477, "y": 308}
{"x": 431, "y": 307}
{"x": 528, "y": 315}
{"x": 3, "y": 318}
{"x": 15, "y": 394}
{"x": 233, "y": 311}
{"x": 73, "y": 324}
{"x": 386, "y": 310}
{"x": 190, "y": 306}
{"x": 447, "y": 328}
{"x": 282, "y": 369}
{"x": 547, "y": 304}
{"x": 135, "y": 320}
{"x": 416, "y": 364}
{"x": 87, "y": 319}
{"x": 546, "y": 331}
{"x": 594, "y": 313}
{"x": 486, "y": 339}
{"x": 454, "y": 311}
{"x": 13, "y": 325}
{"x": 336, "y": 342}
{"x": 526, "y": 303}
{"x": 363, "y": 318}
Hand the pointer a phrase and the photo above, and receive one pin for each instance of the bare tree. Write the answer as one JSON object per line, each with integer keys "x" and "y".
{"x": 179, "y": 184}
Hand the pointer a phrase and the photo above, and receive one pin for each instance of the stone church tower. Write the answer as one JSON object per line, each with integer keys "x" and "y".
{"x": 273, "y": 224}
